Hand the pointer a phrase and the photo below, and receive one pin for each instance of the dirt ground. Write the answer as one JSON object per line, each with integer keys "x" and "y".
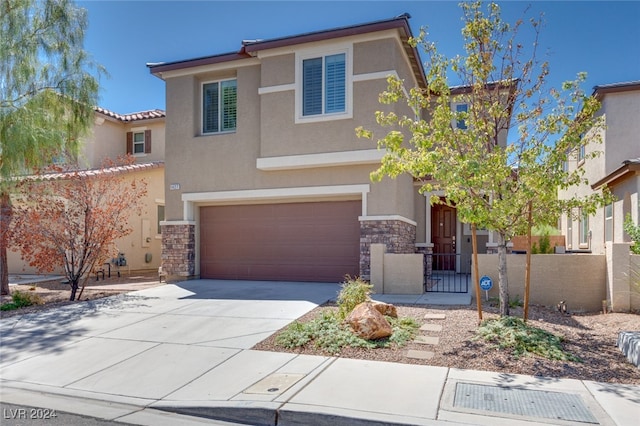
{"x": 55, "y": 293}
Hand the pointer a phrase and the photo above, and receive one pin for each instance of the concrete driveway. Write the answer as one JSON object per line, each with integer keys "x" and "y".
{"x": 160, "y": 356}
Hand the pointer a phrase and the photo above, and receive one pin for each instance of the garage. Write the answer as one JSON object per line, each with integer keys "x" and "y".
{"x": 314, "y": 241}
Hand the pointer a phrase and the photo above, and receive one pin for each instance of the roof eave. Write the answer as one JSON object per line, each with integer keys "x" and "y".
{"x": 620, "y": 174}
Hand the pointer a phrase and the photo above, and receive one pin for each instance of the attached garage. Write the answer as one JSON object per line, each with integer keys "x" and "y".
{"x": 313, "y": 241}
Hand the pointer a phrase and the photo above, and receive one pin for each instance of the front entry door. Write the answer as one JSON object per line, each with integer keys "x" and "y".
{"x": 443, "y": 233}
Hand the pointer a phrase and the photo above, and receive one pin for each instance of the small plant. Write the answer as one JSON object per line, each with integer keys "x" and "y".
{"x": 354, "y": 291}
{"x": 20, "y": 300}
{"x": 634, "y": 233}
{"x": 515, "y": 302}
{"x": 513, "y": 333}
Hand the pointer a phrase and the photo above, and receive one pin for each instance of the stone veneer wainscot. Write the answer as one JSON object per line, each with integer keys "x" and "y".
{"x": 398, "y": 236}
{"x": 179, "y": 250}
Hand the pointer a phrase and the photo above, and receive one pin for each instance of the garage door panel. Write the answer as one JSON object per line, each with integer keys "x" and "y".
{"x": 293, "y": 241}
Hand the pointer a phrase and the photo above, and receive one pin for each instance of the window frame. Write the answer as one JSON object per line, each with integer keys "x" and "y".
{"x": 460, "y": 124}
{"x": 220, "y": 107}
{"x": 138, "y": 143}
{"x": 303, "y": 55}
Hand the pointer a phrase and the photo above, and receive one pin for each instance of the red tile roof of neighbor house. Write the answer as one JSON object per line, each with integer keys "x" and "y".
{"x": 134, "y": 116}
{"x": 129, "y": 168}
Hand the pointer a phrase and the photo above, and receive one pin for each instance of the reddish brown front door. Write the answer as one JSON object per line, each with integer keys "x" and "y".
{"x": 443, "y": 234}
{"x": 317, "y": 241}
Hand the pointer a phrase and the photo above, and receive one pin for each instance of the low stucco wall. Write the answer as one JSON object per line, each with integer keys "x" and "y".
{"x": 634, "y": 285}
{"x": 393, "y": 273}
{"x": 579, "y": 280}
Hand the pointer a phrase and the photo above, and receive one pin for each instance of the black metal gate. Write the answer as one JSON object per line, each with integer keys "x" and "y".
{"x": 447, "y": 273}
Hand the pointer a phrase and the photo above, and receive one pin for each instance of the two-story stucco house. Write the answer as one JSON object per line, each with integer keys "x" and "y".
{"x": 618, "y": 167}
{"x": 113, "y": 135}
{"x": 265, "y": 177}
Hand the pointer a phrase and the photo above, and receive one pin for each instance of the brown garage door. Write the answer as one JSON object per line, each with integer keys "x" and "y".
{"x": 289, "y": 242}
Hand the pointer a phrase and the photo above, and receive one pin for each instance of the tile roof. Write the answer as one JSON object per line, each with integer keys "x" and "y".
{"x": 130, "y": 168}
{"x": 134, "y": 116}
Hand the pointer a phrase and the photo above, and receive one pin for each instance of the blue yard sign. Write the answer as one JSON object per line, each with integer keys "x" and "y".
{"x": 486, "y": 283}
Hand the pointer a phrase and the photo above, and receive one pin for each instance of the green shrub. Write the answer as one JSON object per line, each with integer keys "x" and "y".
{"x": 20, "y": 300}
{"x": 634, "y": 233}
{"x": 513, "y": 333}
{"x": 329, "y": 333}
{"x": 354, "y": 291}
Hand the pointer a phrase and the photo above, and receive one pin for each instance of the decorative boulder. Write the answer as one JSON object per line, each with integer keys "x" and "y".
{"x": 368, "y": 323}
{"x": 385, "y": 309}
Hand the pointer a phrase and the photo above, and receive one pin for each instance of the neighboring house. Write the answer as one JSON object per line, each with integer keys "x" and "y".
{"x": 617, "y": 167}
{"x": 266, "y": 178}
{"x": 113, "y": 135}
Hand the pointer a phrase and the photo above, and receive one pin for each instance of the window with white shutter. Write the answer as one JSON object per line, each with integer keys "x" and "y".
{"x": 219, "y": 106}
{"x": 323, "y": 85}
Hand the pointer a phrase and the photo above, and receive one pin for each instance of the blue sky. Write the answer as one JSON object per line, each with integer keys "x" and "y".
{"x": 599, "y": 37}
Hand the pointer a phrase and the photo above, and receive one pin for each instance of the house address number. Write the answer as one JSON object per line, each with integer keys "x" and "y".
{"x": 174, "y": 186}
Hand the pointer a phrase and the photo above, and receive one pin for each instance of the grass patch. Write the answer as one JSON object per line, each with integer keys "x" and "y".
{"x": 20, "y": 300}
{"x": 513, "y": 333}
{"x": 329, "y": 333}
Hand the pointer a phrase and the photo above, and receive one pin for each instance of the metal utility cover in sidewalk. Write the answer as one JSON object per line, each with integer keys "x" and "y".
{"x": 523, "y": 402}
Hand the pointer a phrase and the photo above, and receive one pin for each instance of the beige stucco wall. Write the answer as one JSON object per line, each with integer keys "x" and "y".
{"x": 396, "y": 273}
{"x": 619, "y": 143}
{"x": 579, "y": 280}
{"x": 107, "y": 139}
{"x": 266, "y": 128}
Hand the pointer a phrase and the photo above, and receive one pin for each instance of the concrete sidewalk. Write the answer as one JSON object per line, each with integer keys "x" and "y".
{"x": 177, "y": 353}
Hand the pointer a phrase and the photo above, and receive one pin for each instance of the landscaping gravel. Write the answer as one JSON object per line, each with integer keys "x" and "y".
{"x": 590, "y": 336}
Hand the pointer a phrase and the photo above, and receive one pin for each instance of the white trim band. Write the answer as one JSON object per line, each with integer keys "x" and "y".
{"x": 190, "y": 199}
{"x": 328, "y": 159}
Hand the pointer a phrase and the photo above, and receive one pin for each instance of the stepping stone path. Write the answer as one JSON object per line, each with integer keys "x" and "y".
{"x": 425, "y": 339}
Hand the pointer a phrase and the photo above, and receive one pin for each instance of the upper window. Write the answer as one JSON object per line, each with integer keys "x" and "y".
{"x": 324, "y": 85}
{"x": 219, "y": 106}
{"x": 581, "y": 153}
{"x": 138, "y": 142}
{"x": 460, "y": 123}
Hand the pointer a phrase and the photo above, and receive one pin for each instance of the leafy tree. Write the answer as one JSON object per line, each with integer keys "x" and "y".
{"x": 464, "y": 153}
{"x": 71, "y": 220}
{"x": 47, "y": 93}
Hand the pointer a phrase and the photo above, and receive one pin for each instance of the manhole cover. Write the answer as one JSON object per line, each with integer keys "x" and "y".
{"x": 523, "y": 402}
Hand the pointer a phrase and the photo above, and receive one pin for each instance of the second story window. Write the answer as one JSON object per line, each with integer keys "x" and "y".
{"x": 324, "y": 86}
{"x": 219, "y": 106}
{"x": 139, "y": 141}
{"x": 460, "y": 123}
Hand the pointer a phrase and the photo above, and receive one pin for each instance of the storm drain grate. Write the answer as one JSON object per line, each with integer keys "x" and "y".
{"x": 523, "y": 402}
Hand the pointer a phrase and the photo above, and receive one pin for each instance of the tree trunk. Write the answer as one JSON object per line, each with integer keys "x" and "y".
{"x": 503, "y": 282}
{"x": 74, "y": 289}
{"x": 527, "y": 269}
{"x": 476, "y": 278}
{"x": 6, "y": 212}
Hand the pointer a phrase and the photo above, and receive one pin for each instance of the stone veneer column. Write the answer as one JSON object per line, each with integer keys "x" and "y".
{"x": 179, "y": 251}
{"x": 398, "y": 236}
